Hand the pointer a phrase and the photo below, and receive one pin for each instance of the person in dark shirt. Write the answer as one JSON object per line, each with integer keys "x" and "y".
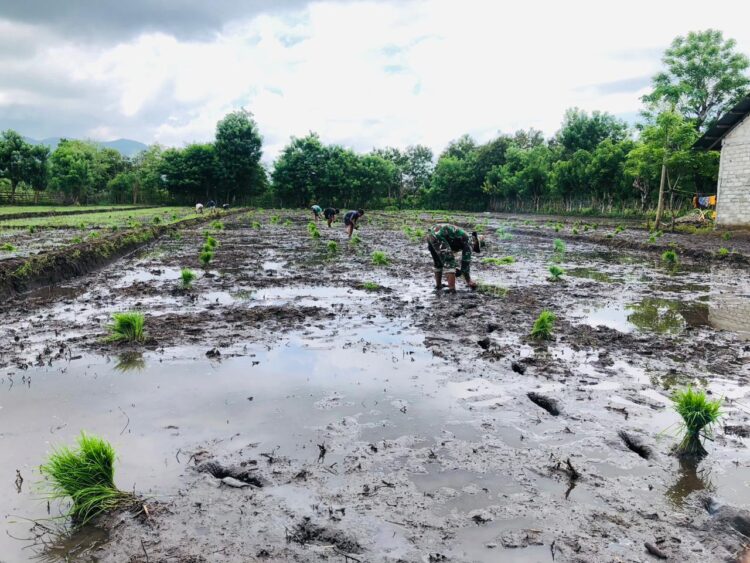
{"x": 330, "y": 214}
{"x": 350, "y": 220}
{"x": 443, "y": 241}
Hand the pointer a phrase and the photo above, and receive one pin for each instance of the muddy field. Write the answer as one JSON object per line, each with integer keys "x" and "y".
{"x": 303, "y": 404}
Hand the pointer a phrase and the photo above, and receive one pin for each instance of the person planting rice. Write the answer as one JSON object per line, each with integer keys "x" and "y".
{"x": 443, "y": 241}
{"x": 199, "y": 208}
{"x": 330, "y": 214}
{"x": 350, "y": 220}
{"x": 317, "y": 211}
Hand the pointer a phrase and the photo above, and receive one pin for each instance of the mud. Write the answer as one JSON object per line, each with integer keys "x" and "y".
{"x": 334, "y": 419}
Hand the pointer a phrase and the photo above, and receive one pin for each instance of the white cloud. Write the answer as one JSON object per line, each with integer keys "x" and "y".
{"x": 383, "y": 73}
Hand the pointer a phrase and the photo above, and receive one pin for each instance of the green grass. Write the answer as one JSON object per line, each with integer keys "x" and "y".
{"x": 187, "y": 277}
{"x": 205, "y": 257}
{"x": 370, "y": 286}
{"x": 332, "y": 246}
{"x": 558, "y": 245}
{"x": 698, "y": 414}
{"x": 556, "y": 272}
{"x": 127, "y": 327}
{"x": 86, "y": 475}
{"x": 130, "y": 218}
{"x": 7, "y": 247}
{"x": 543, "y": 326}
{"x": 723, "y": 252}
{"x": 670, "y": 257}
{"x": 499, "y": 261}
{"x": 379, "y": 258}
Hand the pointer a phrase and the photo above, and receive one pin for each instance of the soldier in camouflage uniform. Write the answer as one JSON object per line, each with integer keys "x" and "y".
{"x": 443, "y": 241}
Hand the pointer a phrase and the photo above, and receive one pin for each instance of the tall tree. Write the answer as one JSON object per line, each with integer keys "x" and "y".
{"x": 71, "y": 169}
{"x": 238, "y": 151}
{"x": 299, "y": 172}
{"x": 581, "y": 131}
{"x": 704, "y": 76}
{"x": 18, "y": 160}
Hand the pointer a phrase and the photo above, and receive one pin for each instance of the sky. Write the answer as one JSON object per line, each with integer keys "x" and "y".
{"x": 360, "y": 74}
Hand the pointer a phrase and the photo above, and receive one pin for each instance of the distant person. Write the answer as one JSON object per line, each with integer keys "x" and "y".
{"x": 330, "y": 214}
{"x": 211, "y": 204}
{"x": 350, "y": 220}
{"x": 317, "y": 212}
{"x": 443, "y": 241}
{"x": 199, "y": 208}
{"x": 225, "y": 206}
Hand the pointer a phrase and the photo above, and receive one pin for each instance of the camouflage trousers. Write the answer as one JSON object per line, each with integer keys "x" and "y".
{"x": 443, "y": 256}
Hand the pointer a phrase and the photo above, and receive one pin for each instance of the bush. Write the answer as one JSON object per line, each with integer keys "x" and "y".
{"x": 86, "y": 475}
{"x": 127, "y": 327}
{"x": 543, "y": 325}
{"x": 187, "y": 277}
{"x": 697, "y": 412}
{"x": 556, "y": 272}
{"x": 380, "y": 258}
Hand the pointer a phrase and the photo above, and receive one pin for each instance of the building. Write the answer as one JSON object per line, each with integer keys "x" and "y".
{"x": 731, "y": 135}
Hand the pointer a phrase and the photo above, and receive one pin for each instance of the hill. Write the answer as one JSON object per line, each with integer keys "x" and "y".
{"x": 126, "y": 147}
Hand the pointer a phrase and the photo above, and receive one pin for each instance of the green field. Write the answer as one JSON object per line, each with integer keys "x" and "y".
{"x": 16, "y": 209}
{"x": 108, "y": 219}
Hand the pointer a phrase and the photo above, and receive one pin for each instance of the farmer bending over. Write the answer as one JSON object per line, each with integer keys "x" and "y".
{"x": 317, "y": 211}
{"x": 443, "y": 241}
{"x": 330, "y": 214}
{"x": 350, "y": 220}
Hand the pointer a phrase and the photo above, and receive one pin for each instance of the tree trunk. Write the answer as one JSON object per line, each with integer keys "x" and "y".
{"x": 12, "y": 192}
{"x": 660, "y": 205}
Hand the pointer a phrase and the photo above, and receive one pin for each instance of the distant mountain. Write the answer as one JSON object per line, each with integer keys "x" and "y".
{"x": 126, "y": 147}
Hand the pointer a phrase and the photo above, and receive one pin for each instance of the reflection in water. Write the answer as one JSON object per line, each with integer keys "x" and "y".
{"x": 689, "y": 480}
{"x": 657, "y": 315}
{"x": 130, "y": 361}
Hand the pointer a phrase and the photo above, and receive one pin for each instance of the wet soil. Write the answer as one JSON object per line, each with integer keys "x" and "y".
{"x": 281, "y": 411}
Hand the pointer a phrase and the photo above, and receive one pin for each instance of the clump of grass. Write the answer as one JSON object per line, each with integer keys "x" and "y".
{"x": 556, "y": 272}
{"x": 256, "y": 225}
{"x": 543, "y": 325}
{"x": 698, "y": 413}
{"x": 380, "y": 258}
{"x": 558, "y": 245}
{"x": 275, "y": 219}
{"x": 722, "y": 252}
{"x": 669, "y": 256}
{"x": 217, "y": 226}
{"x": 187, "y": 277}
{"x": 156, "y": 220}
{"x": 726, "y": 236}
{"x": 499, "y": 261}
{"x": 332, "y": 246}
{"x": 312, "y": 228}
{"x": 7, "y": 247}
{"x": 492, "y": 290}
{"x": 85, "y": 474}
{"x": 205, "y": 257}
{"x": 127, "y": 327}
{"x": 370, "y": 286}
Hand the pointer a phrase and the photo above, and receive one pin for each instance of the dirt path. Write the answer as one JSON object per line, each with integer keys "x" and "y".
{"x": 281, "y": 411}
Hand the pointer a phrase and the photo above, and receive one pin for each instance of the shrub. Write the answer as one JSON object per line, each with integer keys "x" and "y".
{"x": 499, "y": 261}
{"x": 669, "y": 256}
{"x": 558, "y": 245}
{"x": 127, "y": 327}
{"x": 380, "y": 258}
{"x": 543, "y": 325}
{"x": 205, "y": 257}
{"x": 187, "y": 277}
{"x": 85, "y": 474}
{"x": 556, "y": 272}
{"x": 332, "y": 246}
{"x": 697, "y": 412}
{"x": 7, "y": 247}
{"x": 723, "y": 252}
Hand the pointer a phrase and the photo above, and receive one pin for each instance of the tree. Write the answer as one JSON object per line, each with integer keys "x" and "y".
{"x": 414, "y": 168}
{"x": 454, "y": 182}
{"x": 298, "y": 174}
{"x": 570, "y": 178}
{"x": 71, "y": 168}
{"x": 107, "y": 163}
{"x": 19, "y": 161}
{"x": 704, "y": 76}
{"x": 38, "y": 170}
{"x": 606, "y": 172}
{"x": 191, "y": 174}
{"x": 580, "y": 131}
{"x": 238, "y": 151}
{"x": 460, "y": 148}
{"x": 149, "y": 186}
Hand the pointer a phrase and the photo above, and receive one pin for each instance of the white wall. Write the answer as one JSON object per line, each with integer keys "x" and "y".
{"x": 733, "y": 192}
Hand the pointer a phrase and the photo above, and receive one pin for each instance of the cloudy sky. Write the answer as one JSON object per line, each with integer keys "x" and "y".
{"x": 362, "y": 74}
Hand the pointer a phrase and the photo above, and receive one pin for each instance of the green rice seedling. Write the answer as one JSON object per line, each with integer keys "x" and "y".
{"x": 575, "y": 230}
{"x": 332, "y": 246}
{"x": 7, "y": 247}
{"x": 256, "y": 225}
{"x": 205, "y": 257}
{"x": 370, "y": 286}
{"x": 76, "y": 240}
{"x": 32, "y": 229}
{"x": 175, "y": 235}
{"x": 585, "y": 228}
{"x": 558, "y": 245}
{"x": 722, "y": 252}
{"x": 557, "y": 228}
{"x": 543, "y": 325}
{"x": 669, "y": 256}
{"x": 556, "y": 272}
{"x": 127, "y": 327}
{"x": 275, "y": 219}
{"x": 86, "y": 475}
{"x": 379, "y": 258}
{"x": 93, "y": 234}
{"x": 355, "y": 240}
{"x": 82, "y": 226}
{"x": 698, "y": 415}
{"x": 217, "y": 226}
{"x": 187, "y": 277}
{"x": 288, "y": 223}
{"x": 619, "y": 229}
{"x": 492, "y": 290}
{"x": 652, "y": 238}
{"x": 312, "y": 228}
{"x": 174, "y": 217}
{"x": 156, "y": 220}
{"x": 211, "y": 243}
{"x": 726, "y": 236}
{"x": 499, "y": 261}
